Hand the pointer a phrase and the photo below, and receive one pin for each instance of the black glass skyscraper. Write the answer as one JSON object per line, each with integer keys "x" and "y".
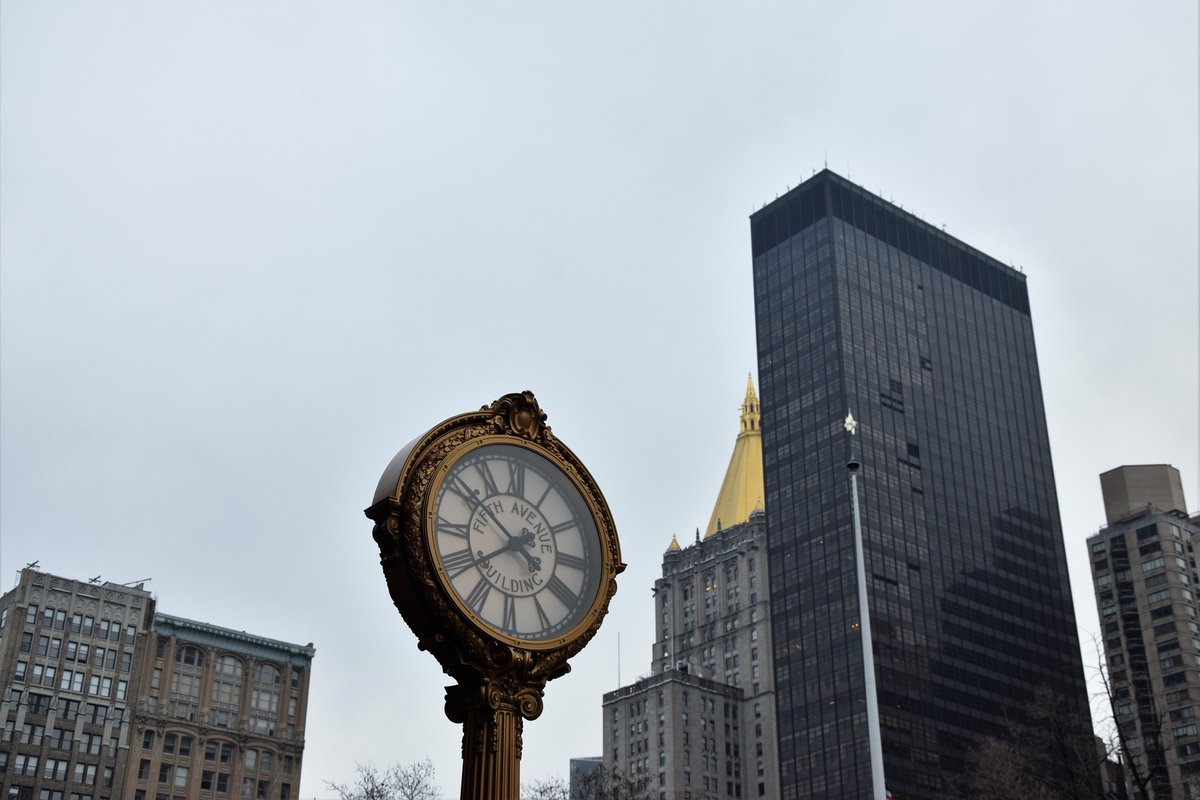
{"x": 862, "y": 307}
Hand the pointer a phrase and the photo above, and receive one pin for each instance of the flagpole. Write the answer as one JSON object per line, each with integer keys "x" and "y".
{"x": 878, "y": 786}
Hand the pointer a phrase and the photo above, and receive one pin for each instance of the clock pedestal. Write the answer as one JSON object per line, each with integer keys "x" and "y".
{"x": 492, "y": 715}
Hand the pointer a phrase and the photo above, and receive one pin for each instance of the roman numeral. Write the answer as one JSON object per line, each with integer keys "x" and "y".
{"x": 452, "y": 528}
{"x": 542, "y": 499}
{"x": 510, "y": 614}
{"x": 516, "y": 479}
{"x": 489, "y": 483}
{"x": 562, "y": 526}
{"x": 562, "y": 592}
{"x": 543, "y": 620}
{"x": 460, "y": 488}
{"x": 574, "y": 562}
{"x": 479, "y": 595}
{"x": 458, "y": 562}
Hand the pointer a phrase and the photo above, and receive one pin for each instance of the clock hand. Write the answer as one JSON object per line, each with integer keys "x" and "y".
{"x": 514, "y": 545}
{"x": 466, "y": 493}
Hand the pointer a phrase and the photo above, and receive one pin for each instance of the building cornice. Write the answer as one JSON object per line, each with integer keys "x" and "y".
{"x": 236, "y": 641}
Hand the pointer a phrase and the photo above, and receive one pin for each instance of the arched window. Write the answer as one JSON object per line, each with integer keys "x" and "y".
{"x": 264, "y": 701}
{"x": 185, "y": 681}
{"x": 189, "y": 656}
{"x": 227, "y": 691}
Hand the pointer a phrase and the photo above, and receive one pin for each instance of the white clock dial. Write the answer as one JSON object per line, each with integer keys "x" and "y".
{"x": 516, "y": 542}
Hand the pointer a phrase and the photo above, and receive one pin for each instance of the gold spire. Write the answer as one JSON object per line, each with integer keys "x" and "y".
{"x": 674, "y": 544}
{"x": 742, "y": 490}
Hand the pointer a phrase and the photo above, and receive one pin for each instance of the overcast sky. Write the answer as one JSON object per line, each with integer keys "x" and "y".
{"x": 248, "y": 250}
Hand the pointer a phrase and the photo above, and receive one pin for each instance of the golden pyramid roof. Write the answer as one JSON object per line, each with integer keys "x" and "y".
{"x": 742, "y": 490}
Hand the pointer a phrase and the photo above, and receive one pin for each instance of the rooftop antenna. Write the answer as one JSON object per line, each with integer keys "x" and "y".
{"x": 826, "y": 159}
{"x": 32, "y": 564}
{"x": 618, "y": 659}
{"x": 94, "y": 580}
{"x": 139, "y": 580}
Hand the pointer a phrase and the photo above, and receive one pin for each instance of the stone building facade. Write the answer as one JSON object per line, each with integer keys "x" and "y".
{"x": 103, "y": 698}
{"x": 221, "y": 715}
{"x": 70, "y": 675}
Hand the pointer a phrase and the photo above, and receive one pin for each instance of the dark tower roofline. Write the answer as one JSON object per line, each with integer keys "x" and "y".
{"x": 829, "y": 194}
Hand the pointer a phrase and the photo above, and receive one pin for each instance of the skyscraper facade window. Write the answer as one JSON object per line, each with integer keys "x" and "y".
{"x": 864, "y": 308}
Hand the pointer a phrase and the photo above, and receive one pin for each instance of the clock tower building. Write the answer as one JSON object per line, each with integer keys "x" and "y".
{"x": 702, "y": 724}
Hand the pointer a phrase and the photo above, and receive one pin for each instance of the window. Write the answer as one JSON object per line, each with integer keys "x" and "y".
{"x": 264, "y": 700}
{"x": 61, "y": 739}
{"x": 67, "y": 710}
{"x": 85, "y": 774}
{"x": 227, "y": 685}
{"x": 39, "y": 703}
{"x": 189, "y": 656}
{"x": 57, "y": 769}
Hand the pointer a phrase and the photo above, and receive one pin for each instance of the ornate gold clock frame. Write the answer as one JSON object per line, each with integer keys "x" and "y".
{"x": 501, "y": 672}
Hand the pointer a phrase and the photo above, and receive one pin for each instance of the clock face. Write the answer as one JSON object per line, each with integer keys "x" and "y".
{"x": 516, "y": 542}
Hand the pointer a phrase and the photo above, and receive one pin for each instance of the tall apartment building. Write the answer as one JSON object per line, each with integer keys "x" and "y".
{"x": 104, "y": 698}
{"x": 861, "y": 307}
{"x": 70, "y": 673}
{"x": 1144, "y": 574}
{"x": 701, "y": 725}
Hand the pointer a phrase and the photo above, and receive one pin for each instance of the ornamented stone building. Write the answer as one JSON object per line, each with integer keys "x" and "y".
{"x": 1144, "y": 574}
{"x": 221, "y": 715}
{"x": 702, "y": 724}
{"x": 103, "y": 698}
